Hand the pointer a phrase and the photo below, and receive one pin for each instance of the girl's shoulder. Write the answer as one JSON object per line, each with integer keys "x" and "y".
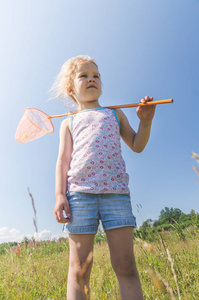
{"x": 65, "y": 122}
{"x": 65, "y": 125}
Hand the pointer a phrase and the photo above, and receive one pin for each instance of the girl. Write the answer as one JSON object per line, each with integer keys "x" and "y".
{"x": 91, "y": 180}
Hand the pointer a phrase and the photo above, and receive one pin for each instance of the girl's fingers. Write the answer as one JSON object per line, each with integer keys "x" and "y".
{"x": 60, "y": 217}
{"x": 65, "y": 220}
{"x": 143, "y": 100}
{"x": 57, "y": 216}
{"x": 147, "y": 98}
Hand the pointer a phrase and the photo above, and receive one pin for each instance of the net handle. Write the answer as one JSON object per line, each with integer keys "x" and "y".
{"x": 121, "y": 106}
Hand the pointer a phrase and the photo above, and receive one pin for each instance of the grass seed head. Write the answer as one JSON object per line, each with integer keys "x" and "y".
{"x": 148, "y": 246}
{"x": 194, "y": 155}
{"x": 156, "y": 280}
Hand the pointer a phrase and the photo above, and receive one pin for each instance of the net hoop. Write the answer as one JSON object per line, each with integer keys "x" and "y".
{"x": 34, "y": 124}
{"x": 43, "y": 113}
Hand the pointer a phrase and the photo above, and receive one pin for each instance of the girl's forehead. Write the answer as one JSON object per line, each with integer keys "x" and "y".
{"x": 87, "y": 66}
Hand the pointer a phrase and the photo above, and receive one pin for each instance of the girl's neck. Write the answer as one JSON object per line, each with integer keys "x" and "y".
{"x": 88, "y": 105}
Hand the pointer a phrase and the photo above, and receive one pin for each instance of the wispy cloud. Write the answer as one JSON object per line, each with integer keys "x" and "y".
{"x": 14, "y": 235}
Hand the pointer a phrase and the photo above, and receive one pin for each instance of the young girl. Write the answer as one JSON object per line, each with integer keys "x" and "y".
{"x": 91, "y": 180}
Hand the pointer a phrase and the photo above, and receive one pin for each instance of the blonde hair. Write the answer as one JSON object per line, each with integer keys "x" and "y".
{"x": 64, "y": 80}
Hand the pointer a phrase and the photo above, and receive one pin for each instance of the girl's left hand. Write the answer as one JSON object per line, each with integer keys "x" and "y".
{"x": 146, "y": 113}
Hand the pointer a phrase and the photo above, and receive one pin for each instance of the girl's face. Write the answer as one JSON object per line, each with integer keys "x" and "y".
{"x": 87, "y": 83}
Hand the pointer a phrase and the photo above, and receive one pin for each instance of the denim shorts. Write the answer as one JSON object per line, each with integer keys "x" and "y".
{"x": 87, "y": 209}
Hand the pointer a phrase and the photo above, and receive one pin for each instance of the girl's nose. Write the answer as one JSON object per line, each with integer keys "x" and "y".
{"x": 91, "y": 79}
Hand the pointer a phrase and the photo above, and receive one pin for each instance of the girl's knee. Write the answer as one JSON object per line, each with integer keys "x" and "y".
{"x": 81, "y": 270}
{"x": 125, "y": 266}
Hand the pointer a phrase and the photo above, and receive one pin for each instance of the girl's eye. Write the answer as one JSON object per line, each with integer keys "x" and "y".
{"x": 96, "y": 76}
{"x": 83, "y": 76}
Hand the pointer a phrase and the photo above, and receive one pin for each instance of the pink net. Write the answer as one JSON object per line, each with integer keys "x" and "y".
{"x": 33, "y": 125}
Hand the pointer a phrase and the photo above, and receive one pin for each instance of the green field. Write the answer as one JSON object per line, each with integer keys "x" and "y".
{"x": 168, "y": 268}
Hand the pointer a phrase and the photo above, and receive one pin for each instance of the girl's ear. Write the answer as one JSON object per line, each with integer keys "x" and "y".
{"x": 70, "y": 91}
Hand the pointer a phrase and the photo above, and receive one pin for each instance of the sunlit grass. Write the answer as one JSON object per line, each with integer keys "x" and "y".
{"x": 34, "y": 270}
{"x": 185, "y": 264}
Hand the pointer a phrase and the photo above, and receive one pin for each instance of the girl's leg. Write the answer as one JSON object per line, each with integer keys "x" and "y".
{"x": 80, "y": 265}
{"x": 120, "y": 243}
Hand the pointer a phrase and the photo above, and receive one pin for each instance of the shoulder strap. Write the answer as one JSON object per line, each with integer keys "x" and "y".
{"x": 116, "y": 118}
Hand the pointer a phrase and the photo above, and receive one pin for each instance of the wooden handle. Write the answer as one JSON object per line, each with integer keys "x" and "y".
{"x": 122, "y": 106}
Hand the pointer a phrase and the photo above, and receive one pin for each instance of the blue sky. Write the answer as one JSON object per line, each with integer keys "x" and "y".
{"x": 142, "y": 48}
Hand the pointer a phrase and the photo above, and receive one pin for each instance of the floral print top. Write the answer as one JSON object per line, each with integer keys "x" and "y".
{"x": 97, "y": 165}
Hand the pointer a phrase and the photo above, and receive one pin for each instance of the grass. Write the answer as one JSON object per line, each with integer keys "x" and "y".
{"x": 168, "y": 268}
{"x": 176, "y": 260}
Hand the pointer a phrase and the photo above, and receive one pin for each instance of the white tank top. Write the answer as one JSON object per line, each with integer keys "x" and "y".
{"x": 97, "y": 165}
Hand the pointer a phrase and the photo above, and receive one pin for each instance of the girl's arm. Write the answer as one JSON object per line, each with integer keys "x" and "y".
{"x": 137, "y": 141}
{"x": 62, "y": 167}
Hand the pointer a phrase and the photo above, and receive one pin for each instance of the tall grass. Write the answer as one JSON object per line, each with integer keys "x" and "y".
{"x": 194, "y": 155}
{"x": 168, "y": 268}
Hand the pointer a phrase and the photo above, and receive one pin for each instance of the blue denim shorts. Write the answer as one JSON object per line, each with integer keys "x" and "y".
{"x": 87, "y": 209}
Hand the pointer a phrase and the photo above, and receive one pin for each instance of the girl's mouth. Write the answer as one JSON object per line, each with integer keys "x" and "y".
{"x": 91, "y": 87}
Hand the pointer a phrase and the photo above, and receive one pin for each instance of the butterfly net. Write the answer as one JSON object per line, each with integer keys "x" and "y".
{"x": 33, "y": 125}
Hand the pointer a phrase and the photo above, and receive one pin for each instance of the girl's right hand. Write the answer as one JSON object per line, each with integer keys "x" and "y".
{"x": 60, "y": 206}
